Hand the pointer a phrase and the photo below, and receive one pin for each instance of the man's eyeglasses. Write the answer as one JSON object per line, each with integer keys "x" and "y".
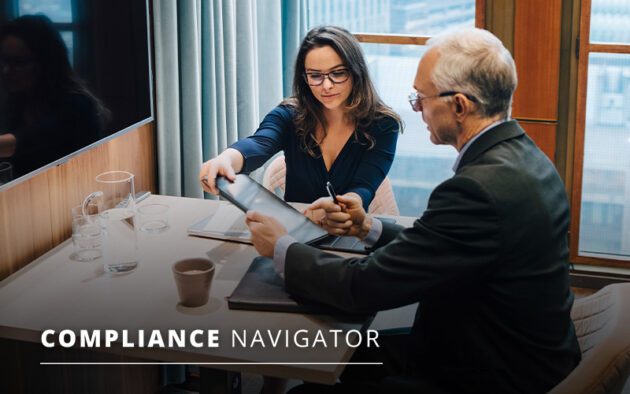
{"x": 416, "y": 100}
{"x": 340, "y": 75}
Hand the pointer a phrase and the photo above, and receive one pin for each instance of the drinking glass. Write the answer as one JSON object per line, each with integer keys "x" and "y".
{"x": 87, "y": 236}
{"x": 6, "y": 172}
{"x": 153, "y": 218}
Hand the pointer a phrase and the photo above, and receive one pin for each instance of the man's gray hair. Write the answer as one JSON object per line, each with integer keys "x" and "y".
{"x": 475, "y": 62}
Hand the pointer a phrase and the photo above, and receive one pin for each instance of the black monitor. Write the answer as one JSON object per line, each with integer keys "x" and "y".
{"x": 108, "y": 47}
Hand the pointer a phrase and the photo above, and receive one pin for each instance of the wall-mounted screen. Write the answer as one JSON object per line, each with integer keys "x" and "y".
{"x": 72, "y": 73}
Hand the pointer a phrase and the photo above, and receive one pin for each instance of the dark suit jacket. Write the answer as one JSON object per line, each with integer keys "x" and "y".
{"x": 487, "y": 262}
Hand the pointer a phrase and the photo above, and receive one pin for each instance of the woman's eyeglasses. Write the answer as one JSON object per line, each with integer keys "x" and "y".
{"x": 16, "y": 63}
{"x": 340, "y": 75}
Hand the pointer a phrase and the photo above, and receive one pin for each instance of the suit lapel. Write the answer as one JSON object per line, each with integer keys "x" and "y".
{"x": 490, "y": 138}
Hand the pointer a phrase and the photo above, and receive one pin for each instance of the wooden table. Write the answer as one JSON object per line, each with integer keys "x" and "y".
{"x": 55, "y": 292}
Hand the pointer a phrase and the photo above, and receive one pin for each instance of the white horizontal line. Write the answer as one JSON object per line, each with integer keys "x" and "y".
{"x": 214, "y": 363}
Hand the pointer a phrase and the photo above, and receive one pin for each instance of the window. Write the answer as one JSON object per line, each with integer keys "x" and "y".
{"x": 392, "y": 33}
{"x": 60, "y": 13}
{"x": 601, "y": 203}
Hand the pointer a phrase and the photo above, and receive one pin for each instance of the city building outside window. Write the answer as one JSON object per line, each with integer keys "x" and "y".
{"x": 419, "y": 165}
{"x": 601, "y": 201}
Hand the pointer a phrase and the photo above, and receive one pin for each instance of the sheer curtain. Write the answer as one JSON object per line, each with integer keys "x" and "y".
{"x": 220, "y": 66}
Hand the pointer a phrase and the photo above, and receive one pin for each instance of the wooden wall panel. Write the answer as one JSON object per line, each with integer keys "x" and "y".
{"x": 537, "y": 29}
{"x": 544, "y": 134}
{"x": 499, "y": 19}
{"x": 35, "y": 214}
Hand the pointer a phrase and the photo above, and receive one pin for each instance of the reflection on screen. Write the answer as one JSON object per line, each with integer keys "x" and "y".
{"x": 111, "y": 68}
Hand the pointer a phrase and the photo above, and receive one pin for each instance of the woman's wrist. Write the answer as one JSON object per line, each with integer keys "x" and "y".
{"x": 234, "y": 158}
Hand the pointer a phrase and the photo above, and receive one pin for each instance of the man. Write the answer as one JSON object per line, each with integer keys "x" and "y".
{"x": 487, "y": 261}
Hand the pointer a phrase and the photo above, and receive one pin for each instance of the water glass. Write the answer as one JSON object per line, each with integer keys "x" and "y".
{"x": 87, "y": 235}
{"x": 153, "y": 218}
{"x": 6, "y": 172}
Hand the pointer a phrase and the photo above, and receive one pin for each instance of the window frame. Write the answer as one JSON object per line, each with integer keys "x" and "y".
{"x": 73, "y": 27}
{"x": 404, "y": 39}
{"x": 415, "y": 40}
{"x": 585, "y": 48}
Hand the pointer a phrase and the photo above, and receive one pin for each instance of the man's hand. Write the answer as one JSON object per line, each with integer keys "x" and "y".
{"x": 265, "y": 232}
{"x": 349, "y": 220}
{"x": 315, "y": 215}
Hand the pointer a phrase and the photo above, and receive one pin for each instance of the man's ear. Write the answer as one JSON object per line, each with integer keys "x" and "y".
{"x": 463, "y": 106}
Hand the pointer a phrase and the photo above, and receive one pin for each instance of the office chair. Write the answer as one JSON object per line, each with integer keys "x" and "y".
{"x": 384, "y": 202}
{"x": 602, "y": 325}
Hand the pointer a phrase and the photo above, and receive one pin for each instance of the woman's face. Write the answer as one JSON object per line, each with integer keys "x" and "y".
{"x": 336, "y": 86}
{"x": 17, "y": 65}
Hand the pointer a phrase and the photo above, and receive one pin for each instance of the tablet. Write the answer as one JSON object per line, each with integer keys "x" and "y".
{"x": 248, "y": 194}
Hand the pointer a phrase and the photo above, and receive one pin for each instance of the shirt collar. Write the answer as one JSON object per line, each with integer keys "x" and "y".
{"x": 467, "y": 144}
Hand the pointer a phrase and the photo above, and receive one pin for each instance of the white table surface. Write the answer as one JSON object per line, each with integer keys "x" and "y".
{"x": 55, "y": 292}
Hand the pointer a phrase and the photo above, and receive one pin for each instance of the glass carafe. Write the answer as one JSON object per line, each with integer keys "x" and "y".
{"x": 117, "y": 212}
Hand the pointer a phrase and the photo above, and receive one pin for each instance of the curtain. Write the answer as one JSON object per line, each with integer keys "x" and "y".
{"x": 219, "y": 68}
{"x": 294, "y": 28}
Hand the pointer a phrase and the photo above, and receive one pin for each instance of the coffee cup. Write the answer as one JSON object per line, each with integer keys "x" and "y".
{"x": 193, "y": 277}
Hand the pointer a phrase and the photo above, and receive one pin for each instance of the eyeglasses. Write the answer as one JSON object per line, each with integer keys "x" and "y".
{"x": 340, "y": 75}
{"x": 16, "y": 63}
{"x": 416, "y": 100}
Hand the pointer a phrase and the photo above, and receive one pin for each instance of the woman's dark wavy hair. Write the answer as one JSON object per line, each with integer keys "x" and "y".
{"x": 51, "y": 56}
{"x": 363, "y": 104}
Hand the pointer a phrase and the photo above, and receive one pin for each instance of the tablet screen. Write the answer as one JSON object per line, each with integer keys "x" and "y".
{"x": 248, "y": 194}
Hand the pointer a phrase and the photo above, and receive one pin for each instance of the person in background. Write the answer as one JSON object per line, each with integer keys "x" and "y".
{"x": 50, "y": 111}
{"x": 487, "y": 261}
{"x": 334, "y": 128}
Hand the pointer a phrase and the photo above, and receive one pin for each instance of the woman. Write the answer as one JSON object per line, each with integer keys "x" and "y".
{"x": 50, "y": 111}
{"x": 334, "y": 128}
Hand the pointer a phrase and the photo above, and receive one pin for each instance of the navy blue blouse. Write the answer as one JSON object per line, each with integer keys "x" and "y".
{"x": 356, "y": 168}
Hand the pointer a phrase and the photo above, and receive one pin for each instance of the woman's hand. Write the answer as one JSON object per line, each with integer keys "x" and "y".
{"x": 315, "y": 215}
{"x": 345, "y": 218}
{"x": 227, "y": 164}
{"x": 7, "y": 144}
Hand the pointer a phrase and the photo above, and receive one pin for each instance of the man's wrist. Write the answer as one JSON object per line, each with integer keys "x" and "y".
{"x": 366, "y": 226}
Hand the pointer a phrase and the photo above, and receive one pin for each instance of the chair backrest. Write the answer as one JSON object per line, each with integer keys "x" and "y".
{"x": 602, "y": 325}
{"x": 384, "y": 202}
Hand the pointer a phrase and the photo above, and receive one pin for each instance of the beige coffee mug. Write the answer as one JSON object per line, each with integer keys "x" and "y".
{"x": 193, "y": 278}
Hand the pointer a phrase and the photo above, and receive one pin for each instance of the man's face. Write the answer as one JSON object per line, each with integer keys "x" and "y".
{"x": 437, "y": 113}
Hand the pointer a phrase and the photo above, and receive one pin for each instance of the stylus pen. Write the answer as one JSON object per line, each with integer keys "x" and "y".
{"x": 331, "y": 192}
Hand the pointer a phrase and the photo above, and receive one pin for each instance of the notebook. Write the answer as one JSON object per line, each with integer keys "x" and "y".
{"x": 226, "y": 223}
{"x": 262, "y": 289}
